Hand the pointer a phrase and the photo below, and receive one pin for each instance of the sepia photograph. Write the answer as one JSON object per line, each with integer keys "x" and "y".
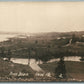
{"x": 41, "y": 41}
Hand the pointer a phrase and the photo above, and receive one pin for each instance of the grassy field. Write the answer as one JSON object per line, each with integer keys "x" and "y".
{"x": 75, "y": 70}
{"x": 7, "y": 67}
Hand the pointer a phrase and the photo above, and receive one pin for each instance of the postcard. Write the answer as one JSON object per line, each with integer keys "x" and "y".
{"x": 41, "y": 41}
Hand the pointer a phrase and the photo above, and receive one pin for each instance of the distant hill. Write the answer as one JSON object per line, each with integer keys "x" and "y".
{"x": 45, "y": 45}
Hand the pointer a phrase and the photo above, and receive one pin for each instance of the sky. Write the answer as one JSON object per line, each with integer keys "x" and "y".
{"x": 41, "y": 16}
{"x": 42, "y": 0}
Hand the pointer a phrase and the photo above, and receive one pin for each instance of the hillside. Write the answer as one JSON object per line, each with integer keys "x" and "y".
{"x": 74, "y": 70}
{"x": 44, "y": 46}
{"x": 9, "y": 70}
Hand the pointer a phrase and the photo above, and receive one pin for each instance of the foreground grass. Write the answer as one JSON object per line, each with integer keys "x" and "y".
{"x": 7, "y": 67}
{"x": 74, "y": 70}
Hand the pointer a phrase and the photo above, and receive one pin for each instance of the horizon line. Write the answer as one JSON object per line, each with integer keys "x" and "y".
{"x": 41, "y": 0}
{"x": 41, "y": 32}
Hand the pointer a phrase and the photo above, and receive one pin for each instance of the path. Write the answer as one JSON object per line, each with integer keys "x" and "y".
{"x": 33, "y": 64}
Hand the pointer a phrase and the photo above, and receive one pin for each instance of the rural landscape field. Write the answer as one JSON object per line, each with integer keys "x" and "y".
{"x": 41, "y": 41}
{"x": 39, "y": 57}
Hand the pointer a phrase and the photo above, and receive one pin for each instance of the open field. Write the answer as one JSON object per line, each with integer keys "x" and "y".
{"x": 8, "y": 68}
{"x": 42, "y": 41}
{"x": 74, "y": 70}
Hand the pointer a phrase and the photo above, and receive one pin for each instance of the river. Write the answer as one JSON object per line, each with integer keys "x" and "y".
{"x": 5, "y": 37}
{"x": 24, "y": 61}
{"x": 34, "y": 64}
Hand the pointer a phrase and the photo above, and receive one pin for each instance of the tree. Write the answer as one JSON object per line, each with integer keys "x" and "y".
{"x": 9, "y": 53}
{"x": 74, "y": 38}
{"x": 36, "y": 42}
{"x": 2, "y": 54}
{"x": 60, "y": 71}
{"x": 46, "y": 55}
{"x": 29, "y": 55}
{"x": 38, "y": 54}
